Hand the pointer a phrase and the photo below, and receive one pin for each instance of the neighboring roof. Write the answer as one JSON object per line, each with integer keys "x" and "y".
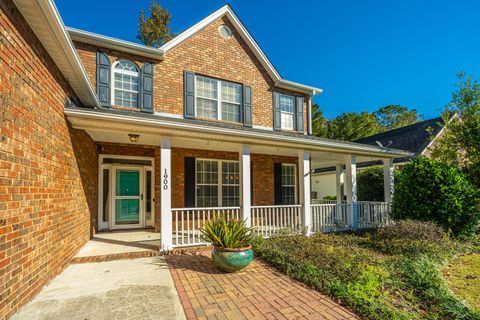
{"x": 158, "y": 53}
{"x": 414, "y": 138}
{"x": 227, "y": 129}
{"x": 46, "y": 23}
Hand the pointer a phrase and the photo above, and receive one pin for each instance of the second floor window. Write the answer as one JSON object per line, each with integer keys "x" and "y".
{"x": 217, "y": 99}
{"x": 287, "y": 111}
{"x": 125, "y": 87}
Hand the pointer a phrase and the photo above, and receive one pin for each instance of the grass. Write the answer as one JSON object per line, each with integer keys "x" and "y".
{"x": 392, "y": 273}
{"x": 463, "y": 277}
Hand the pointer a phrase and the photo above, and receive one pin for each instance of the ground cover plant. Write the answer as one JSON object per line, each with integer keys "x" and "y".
{"x": 390, "y": 273}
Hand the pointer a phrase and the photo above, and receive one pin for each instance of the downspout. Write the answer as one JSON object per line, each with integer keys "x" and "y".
{"x": 309, "y": 107}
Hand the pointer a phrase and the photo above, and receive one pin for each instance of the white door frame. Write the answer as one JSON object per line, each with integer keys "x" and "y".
{"x": 106, "y": 225}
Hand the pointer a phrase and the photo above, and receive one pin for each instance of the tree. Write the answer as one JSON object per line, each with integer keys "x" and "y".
{"x": 430, "y": 190}
{"x": 459, "y": 145}
{"x": 319, "y": 122}
{"x": 154, "y": 30}
{"x": 395, "y": 116}
{"x": 351, "y": 126}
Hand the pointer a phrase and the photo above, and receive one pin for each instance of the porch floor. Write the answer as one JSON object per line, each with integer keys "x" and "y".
{"x": 120, "y": 242}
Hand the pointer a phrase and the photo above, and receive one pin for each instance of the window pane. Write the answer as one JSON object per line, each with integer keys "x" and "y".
{"x": 286, "y": 104}
{"x": 230, "y": 196}
{"x": 288, "y": 184}
{"x": 231, "y": 92}
{"x": 207, "y": 196}
{"x": 206, "y": 108}
{"x": 230, "y": 112}
{"x": 206, "y": 88}
{"x": 287, "y": 121}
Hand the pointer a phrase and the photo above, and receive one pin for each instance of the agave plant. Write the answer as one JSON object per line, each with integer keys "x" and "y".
{"x": 231, "y": 234}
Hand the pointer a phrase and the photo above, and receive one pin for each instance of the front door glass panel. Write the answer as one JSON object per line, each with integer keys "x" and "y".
{"x": 127, "y": 202}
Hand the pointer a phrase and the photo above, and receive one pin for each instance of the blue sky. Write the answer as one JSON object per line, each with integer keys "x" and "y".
{"x": 364, "y": 54}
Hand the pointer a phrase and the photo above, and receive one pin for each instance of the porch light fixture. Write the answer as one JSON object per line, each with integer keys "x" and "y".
{"x": 133, "y": 137}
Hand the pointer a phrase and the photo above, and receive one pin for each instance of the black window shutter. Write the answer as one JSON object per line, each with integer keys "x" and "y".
{"x": 189, "y": 96}
{"x": 146, "y": 88}
{"x": 299, "y": 109}
{"x": 277, "y": 119}
{"x": 103, "y": 78}
{"x": 277, "y": 181}
{"x": 247, "y": 106}
{"x": 189, "y": 189}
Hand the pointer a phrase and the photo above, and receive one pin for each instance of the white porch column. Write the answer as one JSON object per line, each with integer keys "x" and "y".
{"x": 245, "y": 195}
{"x": 165, "y": 194}
{"x": 388, "y": 179}
{"x": 351, "y": 188}
{"x": 305, "y": 188}
{"x": 339, "y": 180}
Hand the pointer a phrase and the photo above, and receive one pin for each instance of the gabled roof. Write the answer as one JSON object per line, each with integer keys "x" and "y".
{"x": 159, "y": 53}
{"x": 46, "y": 23}
{"x": 414, "y": 138}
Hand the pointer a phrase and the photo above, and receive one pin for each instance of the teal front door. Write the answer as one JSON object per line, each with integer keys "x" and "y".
{"x": 127, "y": 199}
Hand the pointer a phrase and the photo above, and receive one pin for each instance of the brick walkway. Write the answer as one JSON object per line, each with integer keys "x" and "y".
{"x": 258, "y": 292}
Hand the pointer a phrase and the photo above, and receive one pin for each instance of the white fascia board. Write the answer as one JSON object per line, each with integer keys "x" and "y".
{"x": 298, "y": 142}
{"x": 114, "y": 43}
{"x": 225, "y": 11}
{"x": 45, "y": 21}
{"x": 286, "y": 84}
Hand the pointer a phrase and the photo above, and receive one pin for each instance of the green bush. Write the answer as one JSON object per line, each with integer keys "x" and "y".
{"x": 370, "y": 184}
{"x": 429, "y": 190}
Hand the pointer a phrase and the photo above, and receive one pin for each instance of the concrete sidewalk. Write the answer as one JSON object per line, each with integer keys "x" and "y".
{"x": 123, "y": 289}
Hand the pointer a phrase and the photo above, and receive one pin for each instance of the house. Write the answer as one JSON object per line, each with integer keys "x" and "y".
{"x": 101, "y": 134}
{"x": 416, "y": 138}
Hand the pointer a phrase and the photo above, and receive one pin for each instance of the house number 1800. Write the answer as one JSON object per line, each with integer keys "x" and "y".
{"x": 165, "y": 180}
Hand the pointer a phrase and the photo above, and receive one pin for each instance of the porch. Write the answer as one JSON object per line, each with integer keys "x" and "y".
{"x": 176, "y": 180}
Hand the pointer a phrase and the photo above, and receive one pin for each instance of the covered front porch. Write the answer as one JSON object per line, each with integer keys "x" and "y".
{"x": 174, "y": 176}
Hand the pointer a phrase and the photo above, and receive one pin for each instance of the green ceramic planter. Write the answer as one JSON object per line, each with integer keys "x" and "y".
{"x": 231, "y": 260}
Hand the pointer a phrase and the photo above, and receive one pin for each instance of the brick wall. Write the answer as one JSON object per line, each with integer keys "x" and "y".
{"x": 205, "y": 53}
{"x": 45, "y": 200}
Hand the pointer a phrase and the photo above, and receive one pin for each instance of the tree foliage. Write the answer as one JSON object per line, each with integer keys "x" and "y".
{"x": 154, "y": 30}
{"x": 429, "y": 190}
{"x": 459, "y": 146}
{"x": 352, "y": 125}
{"x": 395, "y": 116}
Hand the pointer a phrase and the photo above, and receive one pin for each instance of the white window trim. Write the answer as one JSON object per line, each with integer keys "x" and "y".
{"x": 286, "y": 112}
{"x": 219, "y": 180}
{"x": 295, "y": 179}
{"x": 219, "y": 100}
{"x": 127, "y": 72}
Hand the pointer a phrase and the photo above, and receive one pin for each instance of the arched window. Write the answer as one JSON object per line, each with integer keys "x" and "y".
{"x": 125, "y": 84}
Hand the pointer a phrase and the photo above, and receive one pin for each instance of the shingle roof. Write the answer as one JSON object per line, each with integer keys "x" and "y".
{"x": 413, "y": 138}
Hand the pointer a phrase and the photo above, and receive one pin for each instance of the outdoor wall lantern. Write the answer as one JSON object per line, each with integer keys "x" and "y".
{"x": 133, "y": 137}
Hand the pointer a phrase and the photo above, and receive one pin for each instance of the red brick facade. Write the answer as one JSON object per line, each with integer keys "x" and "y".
{"x": 205, "y": 53}
{"x": 47, "y": 183}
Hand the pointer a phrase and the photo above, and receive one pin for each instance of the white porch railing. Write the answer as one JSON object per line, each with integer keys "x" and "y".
{"x": 187, "y": 223}
{"x": 268, "y": 220}
{"x": 373, "y": 214}
{"x": 339, "y": 217}
{"x": 331, "y": 217}
{"x": 324, "y": 201}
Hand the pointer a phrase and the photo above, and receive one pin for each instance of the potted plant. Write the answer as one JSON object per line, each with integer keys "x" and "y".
{"x": 231, "y": 243}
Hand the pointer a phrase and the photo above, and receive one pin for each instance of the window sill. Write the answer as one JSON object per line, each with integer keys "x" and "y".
{"x": 125, "y": 108}
{"x": 220, "y": 121}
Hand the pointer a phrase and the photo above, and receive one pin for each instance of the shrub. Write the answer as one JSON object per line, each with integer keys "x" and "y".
{"x": 411, "y": 230}
{"x": 429, "y": 190}
{"x": 227, "y": 234}
{"x": 370, "y": 184}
